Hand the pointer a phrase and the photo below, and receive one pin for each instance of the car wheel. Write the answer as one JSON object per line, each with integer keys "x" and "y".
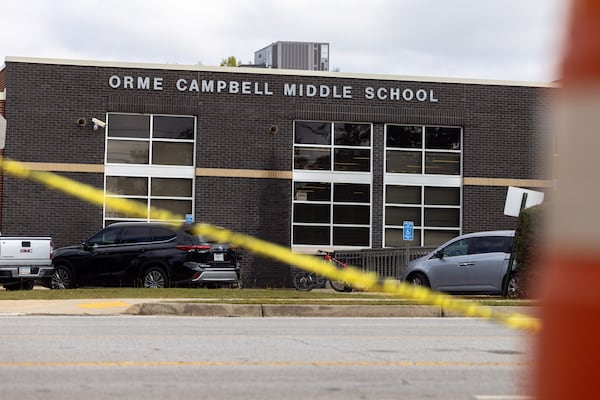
{"x": 418, "y": 279}
{"x": 13, "y": 286}
{"x": 62, "y": 278}
{"x": 155, "y": 278}
{"x": 27, "y": 285}
{"x": 512, "y": 288}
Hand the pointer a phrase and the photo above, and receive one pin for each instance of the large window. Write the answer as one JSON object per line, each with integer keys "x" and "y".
{"x": 152, "y": 140}
{"x": 422, "y": 183}
{"x": 331, "y": 214}
{"x": 431, "y": 150}
{"x": 332, "y": 184}
{"x": 150, "y": 159}
{"x": 329, "y": 146}
{"x": 435, "y": 212}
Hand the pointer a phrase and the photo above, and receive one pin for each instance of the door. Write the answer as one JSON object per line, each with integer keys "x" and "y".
{"x": 115, "y": 265}
{"x": 112, "y": 253}
{"x": 488, "y": 261}
{"x": 448, "y": 273}
{"x": 88, "y": 267}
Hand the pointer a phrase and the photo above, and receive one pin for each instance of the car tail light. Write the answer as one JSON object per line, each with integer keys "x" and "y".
{"x": 193, "y": 247}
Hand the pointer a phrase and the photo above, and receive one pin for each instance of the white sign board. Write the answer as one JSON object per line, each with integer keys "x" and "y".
{"x": 514, "y": 198}
{"x": 2, "y": 131}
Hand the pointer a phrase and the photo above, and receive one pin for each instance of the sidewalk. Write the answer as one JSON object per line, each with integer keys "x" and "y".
{"x": 69, "y": 307}
{"x": 185, "y": 307}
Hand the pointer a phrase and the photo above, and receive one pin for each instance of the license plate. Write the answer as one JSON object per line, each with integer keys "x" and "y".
{"x": 24, "y": 270}
{"x": 219, "y": 257}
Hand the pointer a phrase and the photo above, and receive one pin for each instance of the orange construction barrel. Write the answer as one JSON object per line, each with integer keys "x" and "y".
{"x": 567, "y": 350}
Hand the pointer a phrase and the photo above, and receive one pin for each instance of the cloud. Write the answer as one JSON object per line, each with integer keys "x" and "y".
{"x": 497, "y": 39}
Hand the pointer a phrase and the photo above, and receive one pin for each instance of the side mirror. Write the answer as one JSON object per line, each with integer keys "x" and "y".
{"x": 87, "y": 247}
{"x": 439, "y": 254}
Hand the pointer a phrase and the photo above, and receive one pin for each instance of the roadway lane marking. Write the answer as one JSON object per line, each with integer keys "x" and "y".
{"x": 106, "y": 304}
{"x": 22, "y": 364}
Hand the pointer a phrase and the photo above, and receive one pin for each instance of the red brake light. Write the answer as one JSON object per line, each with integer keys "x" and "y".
{"x": 193, "y": 247}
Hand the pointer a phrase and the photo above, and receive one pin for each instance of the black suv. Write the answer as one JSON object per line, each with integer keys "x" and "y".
{"x": 151, "y": 255}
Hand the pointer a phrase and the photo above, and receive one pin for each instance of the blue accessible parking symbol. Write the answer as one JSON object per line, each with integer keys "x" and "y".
{"x": 408, "y": 229}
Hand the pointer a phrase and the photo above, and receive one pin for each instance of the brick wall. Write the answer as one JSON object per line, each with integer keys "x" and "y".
{"x": 501, "y": 140}
{"x": 2, "y": 80}
{"x": 2, "y": 111}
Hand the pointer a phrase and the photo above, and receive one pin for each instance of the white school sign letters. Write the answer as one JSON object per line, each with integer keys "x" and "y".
{"x": 258, "y": 88}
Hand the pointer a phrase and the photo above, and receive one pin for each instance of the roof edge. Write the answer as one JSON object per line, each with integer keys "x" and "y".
{"x": 273, "y": 71}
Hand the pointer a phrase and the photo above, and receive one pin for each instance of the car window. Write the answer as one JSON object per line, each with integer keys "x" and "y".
{"x": 197, "y": 238}
{"x": 160, "y": 234}
{"x": 458, "y": 248}
{"x": 105, "y": 237}
{"x": 136, "y": 234}
{"x": 202, "y": 239}
{"x": 488, "y": 244}
{"x": 509, "y": 244}
{"x": 186, "y": 238}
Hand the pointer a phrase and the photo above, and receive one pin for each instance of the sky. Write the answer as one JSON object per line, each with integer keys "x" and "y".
{"x": 515, "y": 40}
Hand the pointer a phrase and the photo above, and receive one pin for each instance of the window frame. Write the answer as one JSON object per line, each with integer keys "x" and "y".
{"x": 332, "y": 177}
{"x": 331, "y": 225}
{"x": 423, "y": 151}
{"x": 149, "y": 170}
{"x": 421, "y": 180}
{"x": 420, "y": 227}
{"x": 332, "y": 147}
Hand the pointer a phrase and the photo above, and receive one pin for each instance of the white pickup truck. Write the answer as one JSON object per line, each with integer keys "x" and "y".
{"x": 23, "y": 260}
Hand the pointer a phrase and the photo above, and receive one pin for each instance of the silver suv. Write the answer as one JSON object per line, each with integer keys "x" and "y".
{"x": 472, "y": 263}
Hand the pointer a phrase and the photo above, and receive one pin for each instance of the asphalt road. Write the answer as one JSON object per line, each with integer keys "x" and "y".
{"x": 136, "y": 357}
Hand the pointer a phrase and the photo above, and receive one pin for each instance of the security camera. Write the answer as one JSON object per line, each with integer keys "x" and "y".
{"x": 98, "y": 123}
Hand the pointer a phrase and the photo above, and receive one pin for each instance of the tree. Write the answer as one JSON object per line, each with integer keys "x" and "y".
{"x": 230, "y": 61}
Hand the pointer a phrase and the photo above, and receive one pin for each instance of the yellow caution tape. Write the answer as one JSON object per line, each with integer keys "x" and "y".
{"x": 352, "y": 275}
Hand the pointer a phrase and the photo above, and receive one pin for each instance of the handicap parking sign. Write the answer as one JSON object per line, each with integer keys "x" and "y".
{"x": 408, "y": 229}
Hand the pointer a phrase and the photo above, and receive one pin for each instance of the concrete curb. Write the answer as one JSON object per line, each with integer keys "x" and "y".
{"x": 272, "y": 310}
{"x": 525, "y": 310}
{"x": 303, "y": 310}
{"x": 279, "y": 310}
{"x": 196, "y": 310}
{"x": 209, "y": 309}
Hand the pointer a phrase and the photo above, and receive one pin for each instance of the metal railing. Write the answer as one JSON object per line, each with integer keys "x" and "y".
{"x": 388, "y": 262}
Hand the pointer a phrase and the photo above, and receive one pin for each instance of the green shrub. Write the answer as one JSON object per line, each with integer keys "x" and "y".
{"x": 527, "y": 234}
